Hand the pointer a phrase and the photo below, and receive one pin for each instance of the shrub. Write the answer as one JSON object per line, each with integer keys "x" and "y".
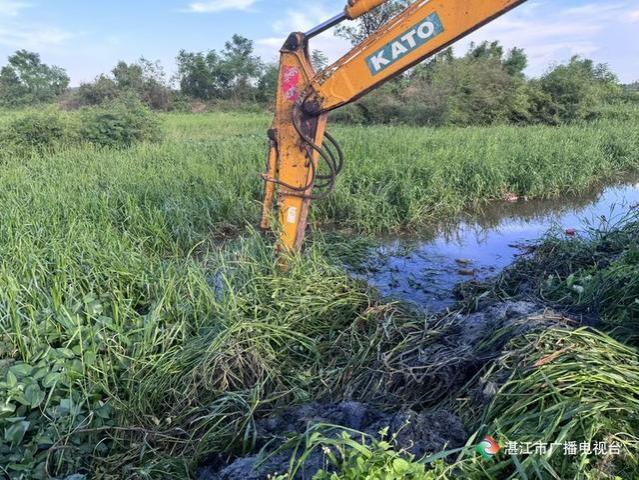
{"x": 124, "y": 123}
{"x": 102, "y": 90}
{"x": 36, "y": 130}
{"x": 573, "y": 92}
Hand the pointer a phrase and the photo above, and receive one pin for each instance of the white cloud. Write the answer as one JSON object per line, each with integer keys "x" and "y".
{"x": 301, "y": 21}
{"x": 634, "y": 16}
{"x": 214, "y": 6}
{"x": 33, "y": 38}
{"x": 11, "y": 8}
{"x": 16, "y": 33}
{"x": 594, "y": 9}
{"x": 550, "y": 35}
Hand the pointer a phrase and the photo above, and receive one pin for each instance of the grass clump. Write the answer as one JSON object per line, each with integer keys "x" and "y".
{"x": 594, "y": 274}
{"x": 144, "y": 378}
{"x": 273, "y": 340}
{"x": 564, "y": 386}
{"x": 353, "y": 455}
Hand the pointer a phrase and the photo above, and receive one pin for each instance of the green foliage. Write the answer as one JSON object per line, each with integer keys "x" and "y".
{"x": 573, "y": 92}
{"x": 36, "y": 130}
{"x": 41, "y": 404}
{"x": 352, "y": 459}
{"x": 28, "y": 81}
{"x": 114, "y": 276}
{"x": 372, "y": 21}
{"x": 143, "y": 79}
{"x": 267, "y": 85}
{"x": 435, "y": 173}
{"x": 319, "y": 60}
{"x": 231, "y": 74}
{"x": 121, "y": 124}
{"x": 594, "y": 274}
{"x": 564, "y": 386}
{"x": 487, "y": 86}
{"x": 484, "y": 87}
{"x": 102, "y": 90}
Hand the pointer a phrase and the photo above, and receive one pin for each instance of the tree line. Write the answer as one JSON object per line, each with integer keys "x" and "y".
{"x": 484, "y": 86}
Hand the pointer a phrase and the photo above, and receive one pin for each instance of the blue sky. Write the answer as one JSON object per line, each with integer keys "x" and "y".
{"x": 89, "y": 37}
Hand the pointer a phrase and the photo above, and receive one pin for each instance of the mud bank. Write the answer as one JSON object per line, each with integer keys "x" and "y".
{"x": 421, "y": 433}
{"x": 418, "y": 407}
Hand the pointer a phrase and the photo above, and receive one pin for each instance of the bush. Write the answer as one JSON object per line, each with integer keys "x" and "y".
{"x": 574, "y": 91}
{"x": 99, "y": 92}
{"x": 124, "y": 123}
{"x": 41, "y": 131}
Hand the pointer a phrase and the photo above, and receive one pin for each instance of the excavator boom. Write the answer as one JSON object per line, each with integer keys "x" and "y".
{"x": 303, "y": 158}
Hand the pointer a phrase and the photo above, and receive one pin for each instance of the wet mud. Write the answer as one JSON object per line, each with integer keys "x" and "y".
{"x": 421, "y": 426}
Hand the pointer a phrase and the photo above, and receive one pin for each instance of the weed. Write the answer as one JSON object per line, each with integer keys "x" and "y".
{"x": 564, "y": 386}
{"x": 152, "y": 340}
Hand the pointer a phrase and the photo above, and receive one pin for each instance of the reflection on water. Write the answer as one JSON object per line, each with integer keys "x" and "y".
{"x": 426, "y": 271}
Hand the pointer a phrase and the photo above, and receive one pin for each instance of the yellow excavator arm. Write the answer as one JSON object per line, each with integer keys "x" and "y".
{"x": 304, "y": 159}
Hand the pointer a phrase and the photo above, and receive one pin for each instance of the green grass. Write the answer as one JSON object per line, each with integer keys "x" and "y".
{"x": 553, "y": 387}
{"x": 144, "y": 325}
{"x": 396, "y": 177}
{"x": 399, "y": 177}
{"x": 564, "y": 386}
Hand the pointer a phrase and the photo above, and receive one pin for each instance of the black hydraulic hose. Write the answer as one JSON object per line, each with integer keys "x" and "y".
{"x": 331, "y": 154}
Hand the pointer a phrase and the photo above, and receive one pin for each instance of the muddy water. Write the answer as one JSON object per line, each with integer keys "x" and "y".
{"x": 425, "y": 271}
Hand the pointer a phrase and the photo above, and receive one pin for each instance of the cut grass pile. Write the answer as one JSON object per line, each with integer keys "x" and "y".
{"x": 555, "y": 388}
{"x": 564, "y": 386}
{"x": 136, "y": 339}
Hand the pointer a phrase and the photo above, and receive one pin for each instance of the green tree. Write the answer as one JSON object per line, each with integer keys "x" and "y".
{"x": 198, "y": 74}
{"x": 371, "y": 22}
{"x": 485, "y": 86}
{"x": 241, "y": 69}
{"x": 232, "y": 74}
{"x": 319, "y": 60}
{"x": 145, "y": 79}
{"x": 574, "y": 91}
{"x": 128, "y": 77}
{"x": 103, "y": 89}
{"x": 267, "y": 84}
{"x": 516, "y": 62}
{"x": 25, "y": 80}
